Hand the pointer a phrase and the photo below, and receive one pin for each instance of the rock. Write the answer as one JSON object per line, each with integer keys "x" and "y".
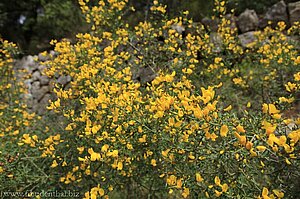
{"x": 275, "y": 14}
{"x": 247, "y": 38}
{"x": 41, "y": 68}
{"x": 44, "y": 80}
{"x": 42, "y": 57}
{"x": 233, "y": 21}
{"x": 64, "y": 79}
{"x": 294, "y": 12}
{"x": 216, "y": 41}
{"x": 248, "y": 21}
{"x": 145, "y": 75}
{"x": 52, "y": 53}
{"x": 210, "y": 24}
{"x": 180, "y": 29}
{"x": 25, "y": 63}
{"x": 35, "y": 105}
{"x": 35, "y": 86}
{"x": 39, "y": 93}
{"x": 27, "y": 83}
{"x": 36, "y": 75}
{"x": 42, "y": 105}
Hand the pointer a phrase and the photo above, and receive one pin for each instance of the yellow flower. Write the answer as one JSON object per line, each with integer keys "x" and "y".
{"x": 80, "y": 149}
{"x": 54, "y": 164}
{"x": 278, "y": 193}
{"x": 143, "y": 139}
{"x": 165, "y": 153}
{"x": 217, "y": 181}
{"x": 185, "y": 192}
{"x": 207, "y": 94}
{"x": 224, "y": 187}
{"x": 120, "y": 166}
{"x": 153, "y": 162}
{"x": 218, "y": 193}
{"x": 269, "y": 128}
{"x": 104, "y": 148}
{"x": 199, "y": 177}
{"x": 290, "y": 87}
{"x": 113, "y": 153}
{"x": 223, "y": 131}
{"x": 261, "y": 148}
{"x": 171, "y": 180}
{"x": 94, "y": 156}
{"x": 228, "y": 108}
{"x": 240, "y": 129}
{"x": 265, "y": 193}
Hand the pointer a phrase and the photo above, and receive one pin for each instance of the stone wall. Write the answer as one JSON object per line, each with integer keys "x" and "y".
{"x": 39, "y": 85}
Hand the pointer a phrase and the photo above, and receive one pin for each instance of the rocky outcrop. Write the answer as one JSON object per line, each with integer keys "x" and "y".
{"x": 275, "y": 14}
{"x": 248, "y": 21}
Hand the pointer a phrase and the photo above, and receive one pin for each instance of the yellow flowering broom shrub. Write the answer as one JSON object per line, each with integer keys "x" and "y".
{"x": 178, "y": 134}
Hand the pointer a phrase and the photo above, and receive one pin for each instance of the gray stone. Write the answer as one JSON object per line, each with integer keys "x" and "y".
{"x": 35, "y": 86}
{"x": 36, "y": 75}
{"x": 52, "y": 53}
{"x": 41, "y": 68}
{"x": 247, "y": 38}
{"x": 41, "y": 107}
{"x": 145, "y": 75}
{"x": 294, "y": 12}
{"x": 39, "y": 93}
{"x": 44, "y": 80}
{"x": 27, "y": 83}
{"x": 180, "y": 29}
{"x": 233, "y": 21}
{"x": 275, "y": 14}
{"x": 42, "y": 57}
{"x": 210, "y": 24}
{"x": 216, "y": 42}
{"x": 247, "y": 21}
{"x": 64, "y": 79}
{"x": 25, "y": 63}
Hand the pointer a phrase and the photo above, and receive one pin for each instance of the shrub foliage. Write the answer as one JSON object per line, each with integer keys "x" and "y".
{"x": 213, "y": 121}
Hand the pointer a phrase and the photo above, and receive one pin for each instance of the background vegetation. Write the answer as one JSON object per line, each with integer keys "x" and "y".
{"x": 33, "y": 23}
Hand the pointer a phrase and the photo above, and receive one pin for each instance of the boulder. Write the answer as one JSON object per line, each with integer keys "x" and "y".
{"x": 44, "y": 80}
{"x": 64, "y": 79}
{"x": 42, "y": 57}
{"x": 41, "y": 106}
{"x": 39, "y": 93}
{"x": 36, "y": 75}
{"x": 294, "y": 12}
{"x": 41, "y": 68}
{"x": 210, "y": 24}
{"x": 247, "y": 38}
{"x": 216, "y": 41}
{"x": 275, "y": 14}
{"x": 248, "y": 21}
{"x": 178, "y": 28}
{"x": 145, "y": 75}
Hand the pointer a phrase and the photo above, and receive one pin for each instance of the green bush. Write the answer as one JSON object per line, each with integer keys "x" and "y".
{"x": 200, "y": 128}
